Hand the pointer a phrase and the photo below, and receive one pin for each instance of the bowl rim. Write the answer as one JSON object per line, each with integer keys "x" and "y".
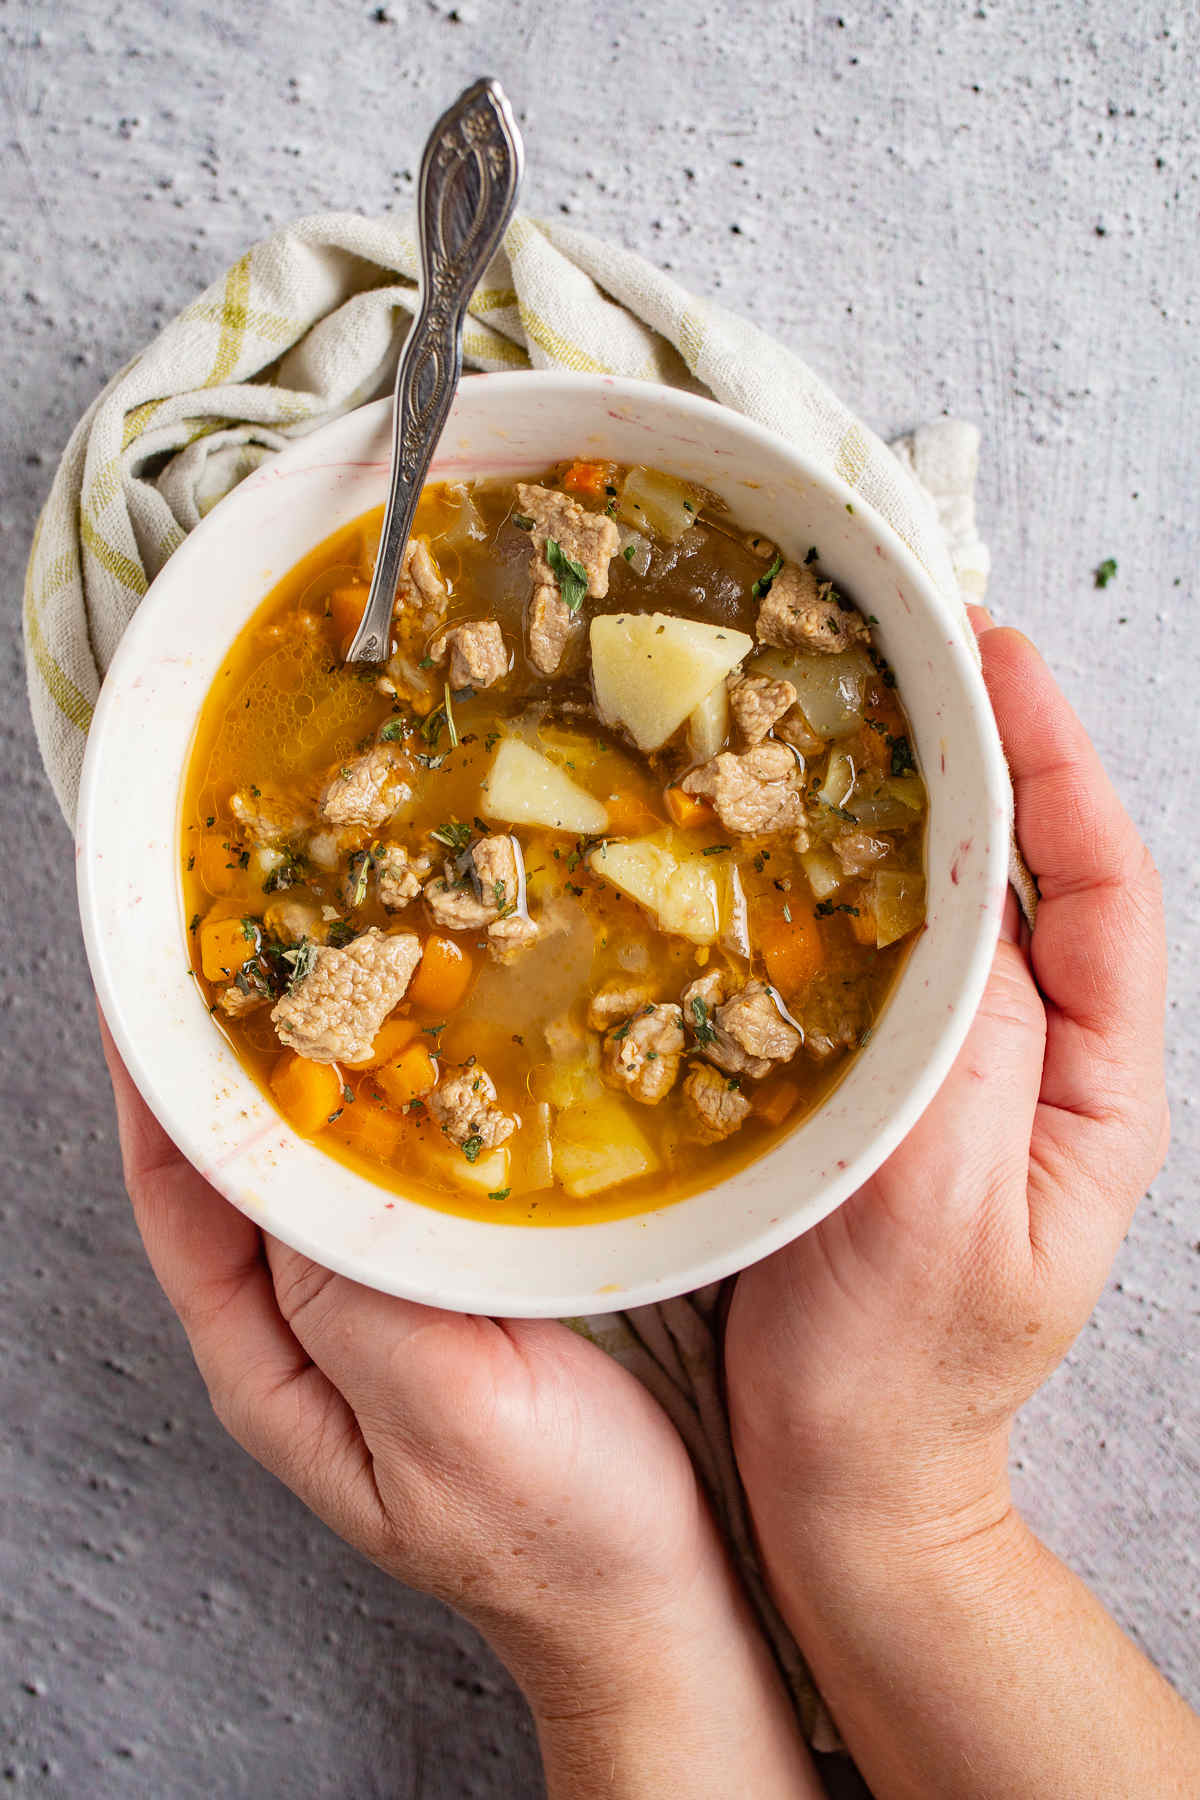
{"x": 935, "y": 1065}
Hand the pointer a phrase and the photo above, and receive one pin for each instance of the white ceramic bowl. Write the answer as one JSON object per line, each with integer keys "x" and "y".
{"x": 132, "y": 907}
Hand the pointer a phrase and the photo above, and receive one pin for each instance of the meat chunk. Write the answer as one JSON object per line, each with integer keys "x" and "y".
{"x": 476, "y": 652}
{"x": 744, "y": 1034}
{"x": 464, "y": 1105}
{"x": 715, "y": 1104}
{"x": 756, "y": 1025}
{"x": 399, "y": 875}
{"x": 858, "y": 851}
{"x": 701, "y": 999}
{"x": 617, "y": 999}
{"x": 456, "y": 905}
{"x": 290, "y": 920}
{"x": 324, "y": 850}
{"x": 758, "y": 703}
{"x": 508, "y": 937}
{"x": 800, "y": 611}
{"x": 267, "y": 816}
{"x": 795, "y": 730}
{"x": 757, "y": 791}
{"x": 549, "y": 629}
{"x": 642, "y": 1056}
{"x": 835, "y": 1017}
{"x": 587, "y": 538}
{"x": 420, "y": 591}
{"x": 235, "y": 1002}
{"x": 366, "y": 791}
{"x": 336, "y": 1007}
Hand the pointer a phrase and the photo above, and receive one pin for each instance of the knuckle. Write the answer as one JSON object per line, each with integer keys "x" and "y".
{"x": 299, "y": 1284}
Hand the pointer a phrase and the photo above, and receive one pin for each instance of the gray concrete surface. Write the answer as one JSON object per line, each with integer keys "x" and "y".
{"x": 987, "y": 209}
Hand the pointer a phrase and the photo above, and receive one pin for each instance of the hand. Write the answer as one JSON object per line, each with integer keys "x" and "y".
{"x": 875, "y": 1365}
{"x": 510, "y": 1468}
{"x": 878, "y": 1361}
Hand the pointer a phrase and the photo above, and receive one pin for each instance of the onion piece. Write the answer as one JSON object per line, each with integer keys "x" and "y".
{"x": 660, "y": 503}
{"x": 735, "y": 914}
{"x": 838, "y": 786}
{"x": 898, "y": 902}
{"x": 824, "y": 872}
{"x": 521, "y": 907}
{"x": 830, "y": 690}
{"x": 783, "y": 1012}
{"x": 635, "y": 549}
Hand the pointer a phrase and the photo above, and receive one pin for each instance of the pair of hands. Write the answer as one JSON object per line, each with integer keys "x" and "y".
{"x": 873, "y": 1366}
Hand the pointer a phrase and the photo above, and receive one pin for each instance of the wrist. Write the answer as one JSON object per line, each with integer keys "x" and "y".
{"x": 684, "y": 1699}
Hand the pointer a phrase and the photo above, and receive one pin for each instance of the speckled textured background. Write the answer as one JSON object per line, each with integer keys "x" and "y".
{"x": 989, "y": 210}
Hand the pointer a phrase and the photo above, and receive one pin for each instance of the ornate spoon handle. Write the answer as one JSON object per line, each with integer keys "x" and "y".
{"x": 470, "y": 174}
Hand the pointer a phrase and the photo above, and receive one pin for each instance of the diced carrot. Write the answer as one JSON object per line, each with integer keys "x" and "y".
{"x": 776, "y": 1099}
{"x": 444, "y": 975}
{"x": 224, "y": 947}
{"x": 410, "y": 1075}
{"x": 629, "y": 814}
{"x": 587, "y": 477}
{"x": 862, "y": 923}
{"x": 216, "y": 864}
{"x": 792, "y": 948}
{"x": 370, "y": 1127}
{"x": 344, "y": 606}
{"x": 686, "y": 810}
{"x": 309, "y": 1093}
{"x": 391, "y": 1039}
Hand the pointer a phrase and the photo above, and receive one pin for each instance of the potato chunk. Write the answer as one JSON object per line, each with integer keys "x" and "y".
{"x": 680, "y": 892}
{"x": 597, "y": 1144}
{"x": 650, "y": 670}
{"x": 525, "y": 788}
{"x": 708, "y": 723}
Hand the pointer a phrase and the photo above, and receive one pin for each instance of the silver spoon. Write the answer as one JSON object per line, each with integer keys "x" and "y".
{"x": 470, "y": 175}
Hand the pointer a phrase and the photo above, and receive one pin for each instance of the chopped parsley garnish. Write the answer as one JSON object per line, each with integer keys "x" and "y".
{"x": 251, "y": 932}
{"x": 762, "y": 586}
{"x": 715, "y": 849}
{"x": 191, "y": 863}
{"x": 393, "y": 730}
{"x": 426, "y": 662}
{"x": 902, "y": 757}
{"x": 341, "y": 933}
{"x": 628, "y": 552}
{"x": 472, "y": 1147}
{"x": 195, "y": 924}
{"x": 299, "y": 963}
{"x": 705, "y": 1031}
{"x": 499, "y": 1193}
{"x": 1106, "y": 571}
{"x": 455, "y": 834}
{"x": 572, "y": 577}
{"x": 289, "y": 872}
{"x": 359, "y": 874}
{"x": 826, "y": 908}
{"x": 522, "y": 521}
{"x": 448, "y": 709}
{"x": 813, "y": 554}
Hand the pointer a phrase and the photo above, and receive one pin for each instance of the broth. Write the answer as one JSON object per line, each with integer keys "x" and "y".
{"x": 795, "y": 929}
